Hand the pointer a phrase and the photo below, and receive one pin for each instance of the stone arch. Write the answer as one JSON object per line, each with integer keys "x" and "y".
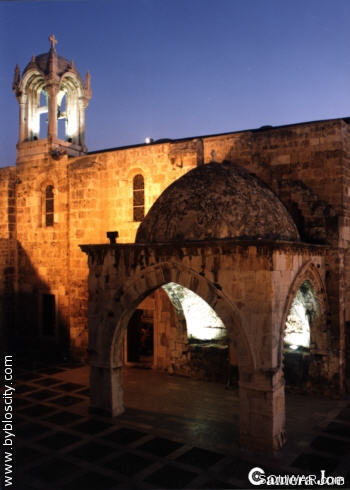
{"x": 119, "y": 283}
{"x": 178, "y": 306}
{"x": 151, "y": 279}
{"x": 189, "y": 308}
{"x": 33, "y": 84}
{"x": 309, "y": 277}
{"x": 135, "y": 170}
{"x": 308, "y": 273}
{"x": 71, "y": 87}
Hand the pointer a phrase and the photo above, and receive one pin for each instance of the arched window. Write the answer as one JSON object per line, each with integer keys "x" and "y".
{"x": 138, "y": 198}
{"x": 49, "y": 205}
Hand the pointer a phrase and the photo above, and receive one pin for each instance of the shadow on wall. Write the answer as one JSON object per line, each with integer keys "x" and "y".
{"x": 316, "y": 219}
{"x": 32, "y": 325}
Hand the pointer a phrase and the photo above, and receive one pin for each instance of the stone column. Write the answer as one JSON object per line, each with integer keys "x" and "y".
{"x": 23, "y": 131}
{"x": 262, "y": 410}
{"x": 106, "y": 387}
{"x": 81, "y": 122}
{"x": 52, "y": 90}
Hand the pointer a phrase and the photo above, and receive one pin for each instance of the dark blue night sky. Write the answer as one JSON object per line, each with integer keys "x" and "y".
{"x": 178, "y": 68}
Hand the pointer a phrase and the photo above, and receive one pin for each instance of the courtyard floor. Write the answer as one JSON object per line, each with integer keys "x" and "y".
{"x": 175, "y": 433}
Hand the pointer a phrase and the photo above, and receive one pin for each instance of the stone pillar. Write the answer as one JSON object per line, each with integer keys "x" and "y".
{"x": 106, "y": 386}
{"x": 262, "y": 410}
{"x": 81, "y": 122}
{"x": 52, "y": 90}
{"x": 23, "y": 131}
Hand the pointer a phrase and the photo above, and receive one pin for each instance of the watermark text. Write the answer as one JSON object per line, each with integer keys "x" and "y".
{"x": 7, "y": 421}
{"x": 257, "y": 476}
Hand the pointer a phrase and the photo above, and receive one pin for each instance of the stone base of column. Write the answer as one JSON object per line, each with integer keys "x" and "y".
{"x": 106, "y": 387}
{"x": 262, "y": 417}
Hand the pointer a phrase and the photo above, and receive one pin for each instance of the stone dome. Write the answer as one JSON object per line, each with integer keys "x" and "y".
{"x": 41, "y": 63}
{"x": 217, "y": 201}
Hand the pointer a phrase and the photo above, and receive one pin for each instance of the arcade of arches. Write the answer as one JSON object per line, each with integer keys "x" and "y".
{"x": 244, "y": 304}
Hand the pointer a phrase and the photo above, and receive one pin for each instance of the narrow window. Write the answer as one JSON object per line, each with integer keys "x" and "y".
{"x": 49, "y": 205}
{"x": 138, "y": 198}
{"x": 48, "y": 314}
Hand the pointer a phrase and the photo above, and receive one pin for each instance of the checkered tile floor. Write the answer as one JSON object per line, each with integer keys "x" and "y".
{"x": 59, "y": 445}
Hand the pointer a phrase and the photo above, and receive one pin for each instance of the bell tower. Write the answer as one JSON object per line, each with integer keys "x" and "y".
{"x": 52, "y": 101}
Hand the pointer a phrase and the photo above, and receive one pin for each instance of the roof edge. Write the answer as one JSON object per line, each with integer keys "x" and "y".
{"x": 264, "y": 128}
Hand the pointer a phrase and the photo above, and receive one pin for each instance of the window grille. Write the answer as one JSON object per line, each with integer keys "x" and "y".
{"x": 138, "y": 198}
{"x": 49, "y": 206}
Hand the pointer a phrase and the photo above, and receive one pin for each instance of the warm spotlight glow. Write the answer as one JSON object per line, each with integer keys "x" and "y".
{"x": 202, "y": 321}
{"x": 304, "y": 308}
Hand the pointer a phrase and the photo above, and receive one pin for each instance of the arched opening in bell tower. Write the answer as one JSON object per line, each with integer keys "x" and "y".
{"x": 43, "y": 115}
{"x": 62, "y": 115}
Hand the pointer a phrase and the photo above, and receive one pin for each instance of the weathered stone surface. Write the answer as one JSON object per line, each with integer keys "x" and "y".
{"x": 216, "y": 201}
{"x": 255, "y": 326}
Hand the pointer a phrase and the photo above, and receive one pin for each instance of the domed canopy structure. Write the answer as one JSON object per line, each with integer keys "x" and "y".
{"x": 41, "y": 63}
{"x": 217, "y": 201}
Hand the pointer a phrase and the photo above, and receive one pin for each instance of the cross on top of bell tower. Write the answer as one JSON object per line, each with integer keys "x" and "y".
{"x": 53, "y": 41}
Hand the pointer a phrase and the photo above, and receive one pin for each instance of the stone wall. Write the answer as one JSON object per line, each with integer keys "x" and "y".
{"x": 42, "y": 253}
{"x": 100, "y": 199}
{"x": 306, "y": 165}
{"x": 93, "y": 194}
{"x": 175, "y": 353}
{"x": 304, "y": 153}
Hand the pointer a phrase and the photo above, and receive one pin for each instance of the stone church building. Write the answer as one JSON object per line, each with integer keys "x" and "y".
{"x": 223, "y": 257}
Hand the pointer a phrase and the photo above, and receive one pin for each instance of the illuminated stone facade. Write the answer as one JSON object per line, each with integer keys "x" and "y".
{"x": 256, "y": 223}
